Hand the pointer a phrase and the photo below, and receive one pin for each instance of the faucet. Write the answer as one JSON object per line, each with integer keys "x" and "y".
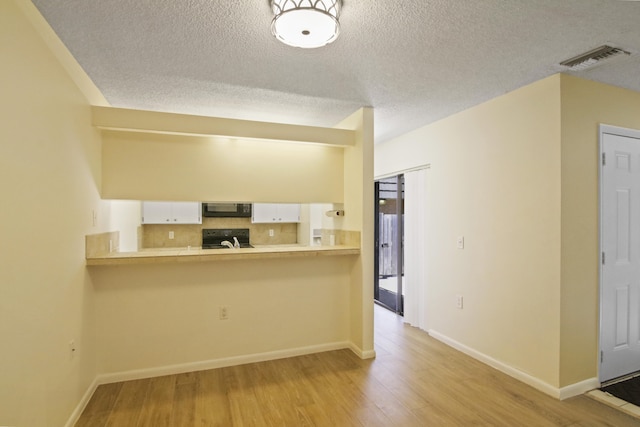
{"x": 227, "y": 243}
{"x": 230, "y": 245}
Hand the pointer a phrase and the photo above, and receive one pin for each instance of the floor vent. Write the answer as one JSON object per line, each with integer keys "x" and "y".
{"x": 593, "y": 57}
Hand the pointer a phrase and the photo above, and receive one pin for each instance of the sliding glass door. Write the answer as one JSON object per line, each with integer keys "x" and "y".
{"x": 389, "y": 241}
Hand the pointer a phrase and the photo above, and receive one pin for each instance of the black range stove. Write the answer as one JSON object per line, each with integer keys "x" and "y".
{"x": 212, "y": 238}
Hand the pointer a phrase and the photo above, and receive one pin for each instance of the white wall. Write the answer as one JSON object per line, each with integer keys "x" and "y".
{"x": 126, "y": 218}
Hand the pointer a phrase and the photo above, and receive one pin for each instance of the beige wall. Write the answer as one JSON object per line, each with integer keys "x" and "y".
{"x": 50, "y": 166}
{"x": 518, "y": 177}
{"x": 585, "y": 105}
{"x": 494, "y": 179}
{"x": 151, "y": 312}
{"x": 144, "y": 317}
{"x": 144, "y": 166}
{"x": 165, "y": 316}
{"x": 358, "y": 207}
{"x": 154, "y": 316}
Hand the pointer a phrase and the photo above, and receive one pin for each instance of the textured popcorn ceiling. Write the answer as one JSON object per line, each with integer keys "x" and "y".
{"x": 413, "y": 61}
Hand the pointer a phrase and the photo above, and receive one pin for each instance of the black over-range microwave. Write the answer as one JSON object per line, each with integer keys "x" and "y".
{"x": 217, "y": 209}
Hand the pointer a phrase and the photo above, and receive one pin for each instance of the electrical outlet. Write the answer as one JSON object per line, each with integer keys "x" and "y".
{"x": 271, "y": 233}
{"x": 224, "y": 312}
{"x": 171, "y": 235}
{"x": 459, "y": 301}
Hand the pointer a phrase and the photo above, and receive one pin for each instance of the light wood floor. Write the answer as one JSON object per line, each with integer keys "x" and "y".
{"x": 414, "y": 381}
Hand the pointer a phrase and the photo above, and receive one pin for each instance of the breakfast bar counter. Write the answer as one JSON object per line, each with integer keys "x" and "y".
{"x": 182, "y": 255}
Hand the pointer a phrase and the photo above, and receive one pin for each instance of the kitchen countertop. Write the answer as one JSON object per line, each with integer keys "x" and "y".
{"x": 179, "y": 255}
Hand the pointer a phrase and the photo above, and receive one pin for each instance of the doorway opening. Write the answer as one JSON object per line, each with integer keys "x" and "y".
{"x": 389, "y": 243}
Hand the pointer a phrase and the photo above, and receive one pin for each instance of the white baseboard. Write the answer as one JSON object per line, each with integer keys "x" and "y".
{"x": 209, "y": 364}
{"x": 362, "y": 354}
{"x": 75, "y": 415}
{"x": 218, "y": 363}
{"x": 203, "y": 365}
{"x": 558, "y": 393}
{"x": 579, "y": 388}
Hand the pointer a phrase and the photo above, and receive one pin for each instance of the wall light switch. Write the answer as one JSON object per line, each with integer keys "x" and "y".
{"x": 461, "y": 242}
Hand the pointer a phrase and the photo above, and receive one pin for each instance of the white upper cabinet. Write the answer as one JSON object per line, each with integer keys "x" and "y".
{"x": 171, "y": 213}
{"x": 187, "y": 212}
{"x": 275, "y": 212}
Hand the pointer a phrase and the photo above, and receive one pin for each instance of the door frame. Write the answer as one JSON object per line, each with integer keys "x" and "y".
{"x": 602, "y": 130}
{"x": 399, "y": 247}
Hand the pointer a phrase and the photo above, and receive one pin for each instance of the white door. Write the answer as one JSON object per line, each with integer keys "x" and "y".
{"x": 620, "y": 243}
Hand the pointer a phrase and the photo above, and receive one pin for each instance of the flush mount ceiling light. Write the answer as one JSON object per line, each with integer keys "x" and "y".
{"x": 306, "y": 23}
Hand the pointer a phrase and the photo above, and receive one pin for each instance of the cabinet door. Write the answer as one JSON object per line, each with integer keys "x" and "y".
{"x": 289, "y": 212}
{"x": 186, "y": 213}
{"x": 171, "y": 213}
{"x": 156, "y": 212}
{"x": 273, "y": 212}
{"x": 264, "y": 212}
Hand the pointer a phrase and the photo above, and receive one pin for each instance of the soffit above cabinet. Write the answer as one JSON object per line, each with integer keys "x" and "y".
{"x": 120, "y": 119}
{"x": 164, "y": 167}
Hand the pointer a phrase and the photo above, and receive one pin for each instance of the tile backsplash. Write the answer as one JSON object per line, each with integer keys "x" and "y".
{"x": 157, "y": 235}
{"x": 340, "y": 237}
{"x": 101, "y": 243}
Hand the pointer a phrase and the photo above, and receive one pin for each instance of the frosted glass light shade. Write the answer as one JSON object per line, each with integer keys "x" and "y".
{"x": 306, "y": 23}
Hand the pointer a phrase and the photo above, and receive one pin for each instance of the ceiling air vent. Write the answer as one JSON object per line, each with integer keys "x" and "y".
{"x": 593, "y": 57}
